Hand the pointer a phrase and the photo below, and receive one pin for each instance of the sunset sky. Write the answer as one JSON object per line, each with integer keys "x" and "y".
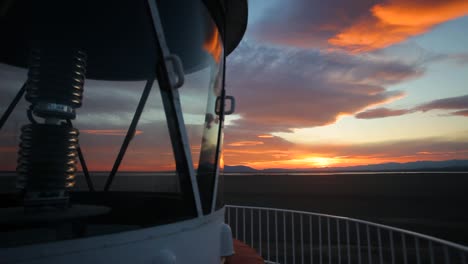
{"x": 318, "y": 84}
{"x": 341, "y": 83}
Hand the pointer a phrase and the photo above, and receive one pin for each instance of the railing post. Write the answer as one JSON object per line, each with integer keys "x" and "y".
{"x": 369, "y": 245}
{"x": 392, "y": 250}
{"x": 237, "y": 229}
{"x": 338, "y": 240}
{"x": 416, "y": 245}
{"x": 431, "y": 252}
{"x": 260, "y": 231}
{"x": 276, "y": 235}
{"x": 251, "y": 227}
{"x": 302, "y": 241}
{"x": 348, "y": 242}
{"x": 403, "y": 242}
{"x": 310, "y": 245}
{"x": 379, "y": 238}
{"x": 358, "y": 242}
{"x": 462, "y": 257}
{"x": 446, "y": 255}
{"x": 268, "y": 234}
{"x": 320, "y": 238}
{"x": 293, "y": 242}
{"x": 329, "y": 241}
{"x": 284, "y": 236}
{"x": 243, "y": 226}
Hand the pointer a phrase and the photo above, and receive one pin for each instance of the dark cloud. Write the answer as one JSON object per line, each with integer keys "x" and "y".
{"x": 452, "y": 103}
{"x": 381, "y": 112}
{"x": 459, "y": 102}
{"x": 280, "y": 89}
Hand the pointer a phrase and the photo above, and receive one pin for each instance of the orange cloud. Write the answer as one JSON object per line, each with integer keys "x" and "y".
{"x": 395, "y": 22}
{"x": 265, "y": 136}
{"x": 245, "y": 143}
{"x": 109, "y": 132}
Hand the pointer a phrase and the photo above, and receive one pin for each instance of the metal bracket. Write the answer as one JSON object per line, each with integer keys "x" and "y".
{"x": 177, "y": 70}
{"x": 226, "y": 98}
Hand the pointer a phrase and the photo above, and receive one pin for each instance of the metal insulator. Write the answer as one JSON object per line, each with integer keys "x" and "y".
{"x": 47, "y": 163}
{"x": 55, "y": 82}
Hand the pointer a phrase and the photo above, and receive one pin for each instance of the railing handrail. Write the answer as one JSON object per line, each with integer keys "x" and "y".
{"x": 390, "y": 228}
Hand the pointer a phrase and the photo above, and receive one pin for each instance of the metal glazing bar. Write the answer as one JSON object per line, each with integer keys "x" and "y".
{"x": 12, "y": 105}
{"x": 175, "y": 121}
{"x": 130, "y": 132}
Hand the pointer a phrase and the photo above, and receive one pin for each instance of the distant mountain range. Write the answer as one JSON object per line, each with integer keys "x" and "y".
{"x": 446, "y": 165}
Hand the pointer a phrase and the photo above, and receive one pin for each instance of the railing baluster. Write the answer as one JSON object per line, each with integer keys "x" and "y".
{"x": 405, "y": 255}
{"x": 293, "y": 242}
{"x": 237, "y": 229}
{"x": 369, "y": 246}
{"x": 446, "y": 255}
{"x": 260, "y": 231}
{"x": 431, "y": 252}
{"x": 268, "y": 234}
{"x": 379, "y": 238}
{"x": 392, "y": 249}
{"x": 302, "y": 241}
{"x": 329, "y": 241}
{"x": 276, "y": 235}
{"x": 310, "y": 246}
{"x": 251, "y": 227}
{"x": 320, "y": 238}
{"x": 284, "y": 236}
{"x": 358, "y": 243}
{"x": 445, "y": 250}
{"x": 416, "y": 245}
{"x": 338, "y": 239}
{"x": 347, "y": 242}
{"x": 243, "y": 225}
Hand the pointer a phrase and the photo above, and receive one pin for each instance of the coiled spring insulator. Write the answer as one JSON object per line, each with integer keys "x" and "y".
{"x": 55, "y": 82}
{"x": 47, "y": 160}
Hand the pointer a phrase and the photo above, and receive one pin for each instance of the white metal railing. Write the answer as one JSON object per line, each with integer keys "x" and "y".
{"x": 289, "y": 236}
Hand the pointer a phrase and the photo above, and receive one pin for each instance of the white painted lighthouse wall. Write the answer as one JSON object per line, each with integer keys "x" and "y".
{"x": 193, "y": 241}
